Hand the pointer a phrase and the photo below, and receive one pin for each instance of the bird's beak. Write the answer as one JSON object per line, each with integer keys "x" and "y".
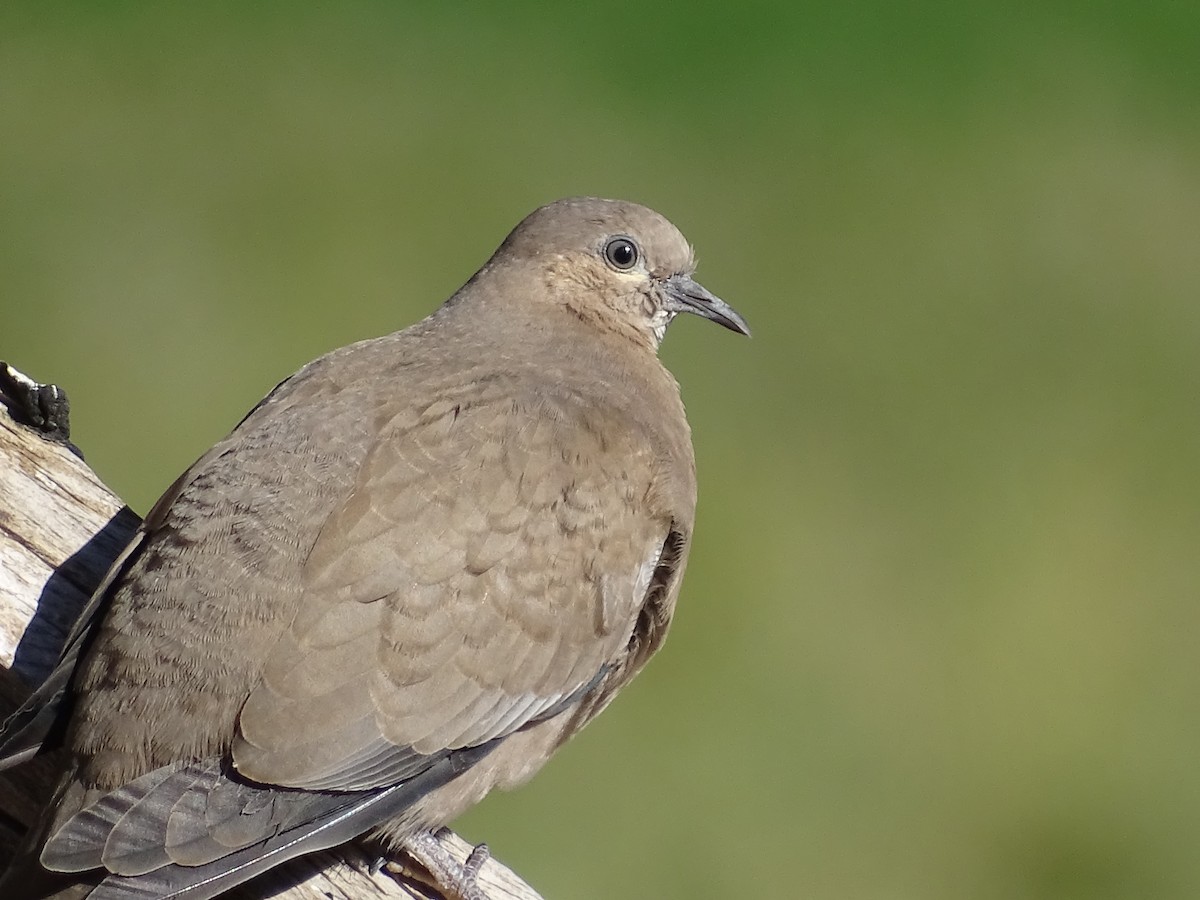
{"x": 683, "y": 295}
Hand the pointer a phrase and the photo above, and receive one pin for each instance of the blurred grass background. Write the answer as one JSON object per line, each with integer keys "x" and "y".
{"x": 938, "y": 638}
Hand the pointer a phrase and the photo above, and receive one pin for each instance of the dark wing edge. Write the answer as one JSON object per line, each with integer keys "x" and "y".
{"x": 650, "y": 630}
{"x": 24, "y": 732}
{"x": 333, "y": 819}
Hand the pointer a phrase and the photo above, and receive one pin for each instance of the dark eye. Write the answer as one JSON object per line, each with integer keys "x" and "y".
{"x": 621, "y": 253}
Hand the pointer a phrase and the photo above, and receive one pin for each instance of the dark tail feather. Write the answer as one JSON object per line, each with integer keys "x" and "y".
{"x": 353, "y": 816}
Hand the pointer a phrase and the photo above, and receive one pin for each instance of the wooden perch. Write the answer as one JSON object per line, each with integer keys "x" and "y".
{"x": 60, "y": 529}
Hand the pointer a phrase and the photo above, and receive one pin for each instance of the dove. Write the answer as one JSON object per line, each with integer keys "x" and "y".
{"x": 406, "y": 578}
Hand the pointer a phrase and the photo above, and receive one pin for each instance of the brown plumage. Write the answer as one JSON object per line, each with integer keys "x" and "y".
{"x": 411, "y": 573}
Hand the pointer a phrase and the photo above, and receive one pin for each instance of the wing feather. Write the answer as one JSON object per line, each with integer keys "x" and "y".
{"x": 468, "y": 613}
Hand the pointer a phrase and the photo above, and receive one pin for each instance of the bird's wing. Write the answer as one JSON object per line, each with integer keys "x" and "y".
{"x": 490, "y": 563}
{"x": 487, "y": 572}
{"x": 189, "y": 832}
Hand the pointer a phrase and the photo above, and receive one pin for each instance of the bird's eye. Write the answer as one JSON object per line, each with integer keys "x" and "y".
{"x": 621, "y": 253}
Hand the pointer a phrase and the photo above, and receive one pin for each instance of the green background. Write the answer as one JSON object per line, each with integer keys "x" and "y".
{"x": 939, "y": 634}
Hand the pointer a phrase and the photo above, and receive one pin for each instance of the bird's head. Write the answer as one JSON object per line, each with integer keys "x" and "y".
{"x": 616, "y": 264}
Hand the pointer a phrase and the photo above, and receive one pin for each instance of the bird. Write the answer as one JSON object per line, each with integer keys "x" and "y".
{"x": 414, "y": 570}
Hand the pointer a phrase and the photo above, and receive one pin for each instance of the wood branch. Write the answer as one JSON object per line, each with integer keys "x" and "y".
{"x": 60, "y": 529}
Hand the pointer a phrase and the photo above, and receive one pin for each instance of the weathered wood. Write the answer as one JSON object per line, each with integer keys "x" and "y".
{"x": 60, "y": 529}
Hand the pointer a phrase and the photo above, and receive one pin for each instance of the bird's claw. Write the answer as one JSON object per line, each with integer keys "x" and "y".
{"x": 452, "y": 879}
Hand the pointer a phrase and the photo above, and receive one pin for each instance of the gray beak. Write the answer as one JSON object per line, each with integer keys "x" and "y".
{"x": 683, "y": 295}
